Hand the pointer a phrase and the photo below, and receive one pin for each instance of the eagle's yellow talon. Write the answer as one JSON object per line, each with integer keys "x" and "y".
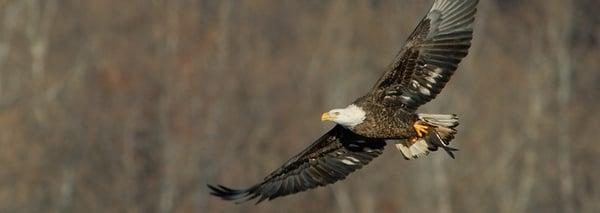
{"x": 420, "y": 129}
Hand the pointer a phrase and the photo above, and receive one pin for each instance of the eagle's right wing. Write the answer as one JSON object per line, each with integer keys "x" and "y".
{"x": 331, "y": 158}
{"x": 430, "y": 56}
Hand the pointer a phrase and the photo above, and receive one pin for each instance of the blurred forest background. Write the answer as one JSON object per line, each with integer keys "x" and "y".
{"x": 133, "y": 106}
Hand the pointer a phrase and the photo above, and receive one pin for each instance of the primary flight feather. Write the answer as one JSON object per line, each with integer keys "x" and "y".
{"x": 387, "y": 113}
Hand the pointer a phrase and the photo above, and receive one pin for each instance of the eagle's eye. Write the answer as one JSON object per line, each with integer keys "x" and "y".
{"x": 336, "y": 113}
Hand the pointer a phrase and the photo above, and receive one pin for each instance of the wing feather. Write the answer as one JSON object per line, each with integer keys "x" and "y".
{"x": 329, "y": 159}
{"x": 430, "y": 56}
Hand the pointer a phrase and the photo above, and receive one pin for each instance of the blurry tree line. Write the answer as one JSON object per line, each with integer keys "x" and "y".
{"x": 133, "y": 106}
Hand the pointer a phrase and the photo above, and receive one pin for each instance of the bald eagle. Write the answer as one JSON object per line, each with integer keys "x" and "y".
{"x": 387, "y": 113}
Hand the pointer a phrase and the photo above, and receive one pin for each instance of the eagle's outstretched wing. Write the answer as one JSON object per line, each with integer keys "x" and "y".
{"x": 331, "y": 158}
{"x": 430, "y": 56}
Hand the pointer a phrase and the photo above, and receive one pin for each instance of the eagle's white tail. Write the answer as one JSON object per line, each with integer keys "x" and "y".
{"x": 441, "y": 131}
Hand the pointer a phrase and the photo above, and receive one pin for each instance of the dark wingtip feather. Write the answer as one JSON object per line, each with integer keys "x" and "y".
{"x": 214, "y": 190}
{"x": 226, "y": 193}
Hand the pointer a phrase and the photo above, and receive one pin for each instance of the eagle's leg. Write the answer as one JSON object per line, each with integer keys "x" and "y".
{"x": 420, "y": 129}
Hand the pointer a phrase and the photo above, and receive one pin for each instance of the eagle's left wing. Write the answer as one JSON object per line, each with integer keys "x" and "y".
{"x": 430, "y": 56}
{"x": 331, "y": 158}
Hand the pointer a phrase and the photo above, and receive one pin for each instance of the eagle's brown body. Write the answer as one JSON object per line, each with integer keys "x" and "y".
{"x": 385, "y": 122}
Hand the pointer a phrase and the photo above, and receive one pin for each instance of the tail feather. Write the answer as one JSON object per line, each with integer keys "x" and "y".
{"x": 440, "y": 134}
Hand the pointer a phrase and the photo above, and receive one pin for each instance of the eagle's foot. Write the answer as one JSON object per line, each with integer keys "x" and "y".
{"x": 420, "y": 129}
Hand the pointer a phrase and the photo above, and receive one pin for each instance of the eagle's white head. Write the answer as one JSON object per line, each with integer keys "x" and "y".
{"x": 348, "y": 117}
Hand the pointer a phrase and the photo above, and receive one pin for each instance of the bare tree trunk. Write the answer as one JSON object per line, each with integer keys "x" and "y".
{"x": 559, "y": 29}
{"x": 535, "y": 112}
{"x": 170, "y": 150}
{"x": 440, "y": 178}
{"x": 342, "y": 198}
{"x": 38, "y": 28}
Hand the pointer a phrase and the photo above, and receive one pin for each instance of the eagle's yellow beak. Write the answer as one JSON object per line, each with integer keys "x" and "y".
{"x": 326, "y": 117}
